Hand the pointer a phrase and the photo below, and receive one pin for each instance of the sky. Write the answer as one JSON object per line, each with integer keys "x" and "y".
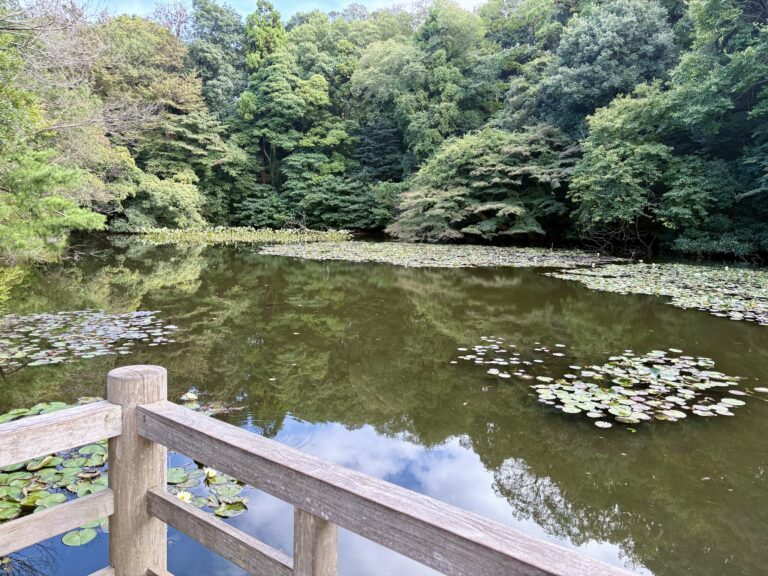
{"x": 286, "y": 7}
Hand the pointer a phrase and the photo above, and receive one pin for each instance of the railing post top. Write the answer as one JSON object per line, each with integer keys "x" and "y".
{"x": 138, "y": 384}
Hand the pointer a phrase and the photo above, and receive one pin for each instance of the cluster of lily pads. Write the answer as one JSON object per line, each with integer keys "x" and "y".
{"x": 50, "y": 480}
{"x": 45, "y": 482}
{"x": 191, "y": 400}
{"x": 235, "y": 235}
{"x": 437, "y": 256}
{"x": 53, "y": 338}
{"x": 735, "y": 293}
{"x": 628, "y": 388}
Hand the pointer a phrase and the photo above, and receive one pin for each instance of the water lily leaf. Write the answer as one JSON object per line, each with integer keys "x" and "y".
{"x": 79, "y": 537}
{"x": 10, "y": 492}
{"x": 228, "y": 492}
{"x": 90, "y": 488}
{"x": 46, "y": 462}
{"x": 733, "y": 401}
{"x": 177, "y": 476}
{"x": 95, "y": 461}
{"x": 9, "y": 510}
{"x": 51, "y": 499}
{"x": 231, "y": 509}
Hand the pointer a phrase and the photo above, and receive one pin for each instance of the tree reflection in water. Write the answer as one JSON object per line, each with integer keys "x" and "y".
{"x": 329, "y": 355}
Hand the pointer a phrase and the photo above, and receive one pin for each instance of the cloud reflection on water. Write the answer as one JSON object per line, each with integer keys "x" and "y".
{"x": 450, "y": 472}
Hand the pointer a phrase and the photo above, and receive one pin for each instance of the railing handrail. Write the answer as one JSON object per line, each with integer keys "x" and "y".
{"x": 439, "y": 535}
{"x": 36, "y": 436}
{"x": 142, "y": 423}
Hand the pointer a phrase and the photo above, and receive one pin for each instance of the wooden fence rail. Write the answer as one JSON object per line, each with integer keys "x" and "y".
{"x": 141, "y": 424}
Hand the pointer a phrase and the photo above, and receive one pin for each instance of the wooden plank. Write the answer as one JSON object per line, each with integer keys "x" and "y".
{"x": 37, "y": 436}
{"x": 315, "y": 545}
{"x": 448, "y": 539}
{"x": 137, "y": 541}
{"x": 241, "y": 549}
{"x": 158, "y": 572}
{"x": 108, "y": 571}
{"x": 28, "y": 530}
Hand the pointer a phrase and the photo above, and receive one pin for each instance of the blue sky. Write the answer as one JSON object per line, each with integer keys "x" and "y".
{"x": 286, "y": 7}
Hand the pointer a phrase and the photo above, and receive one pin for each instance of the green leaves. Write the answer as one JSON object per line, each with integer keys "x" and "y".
{"x": 177, "y": 476}
{"x": 45, "y": 338}
{"x": 487, "y": 185}
{"x": 79, "y": 537}
{"x": 629, "y": 388}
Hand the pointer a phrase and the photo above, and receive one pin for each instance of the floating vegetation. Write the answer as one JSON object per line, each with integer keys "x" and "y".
{"x": 208, "y": 488}
{"x": 735, "y": 293}
{"x": 39, "y": 339}
{"x": 235, "y": 235}
{"x": 659, "y": 385}
{"x": 192, "y": 401}
{"x": 48, "y": 481}
{"x": 438, "y": 256}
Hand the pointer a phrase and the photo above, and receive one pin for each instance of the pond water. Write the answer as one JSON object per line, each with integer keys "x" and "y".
{"x": 352, "y": 362}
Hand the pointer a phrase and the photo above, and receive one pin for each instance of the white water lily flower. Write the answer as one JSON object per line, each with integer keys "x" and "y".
{"x": 185, "y": 496}
{"x": 210, "y": 472}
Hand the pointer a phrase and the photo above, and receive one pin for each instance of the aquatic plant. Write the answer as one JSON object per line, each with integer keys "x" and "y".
{"x": 735, "y": 293}
{"x": 438, "y": 256}
{"x": 627, "y": 388}
{"x": 45, "y": 482}
{"x": 235, "y": 235}
{"x": 53, "y": 338}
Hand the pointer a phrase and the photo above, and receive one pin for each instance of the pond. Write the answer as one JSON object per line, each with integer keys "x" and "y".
{"x": 356, "y": 363}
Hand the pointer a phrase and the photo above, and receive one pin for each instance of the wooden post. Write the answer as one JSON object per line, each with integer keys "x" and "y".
{"x": 137, "y": 541}
{"x": 315, "y": 545}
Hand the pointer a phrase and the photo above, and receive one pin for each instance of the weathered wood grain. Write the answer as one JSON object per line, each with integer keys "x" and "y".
{"x": 36, "y": 436}
{"x": 137, "y": 541}
{"x": 448, "y": 539}
{"x": 28, "y": 530}
{"x": 108, "y": 571}
{"x": 241, "y": 549}
{"x": 315, "y": 545}
{"x": 158, "y": 572}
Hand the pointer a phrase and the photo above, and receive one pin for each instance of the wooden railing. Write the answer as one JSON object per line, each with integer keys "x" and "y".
{"x": 141, "y": 424}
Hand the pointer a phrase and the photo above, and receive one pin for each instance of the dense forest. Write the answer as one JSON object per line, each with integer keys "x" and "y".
{"x": 636, "y": 125}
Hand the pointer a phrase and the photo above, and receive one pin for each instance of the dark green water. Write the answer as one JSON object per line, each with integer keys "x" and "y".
{"x": 351, "y": 362}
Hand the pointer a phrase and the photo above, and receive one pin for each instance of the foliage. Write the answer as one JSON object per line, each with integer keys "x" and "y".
{"x": 36, "y": 213}
{"x": 735, "y": 293}
{"x": 35, "y": 217}
{"x": 223, "y": 235}
{"x": 216, "y": 51}
{"x": 379, "y": 119}
{"x": 488, "y": 185}
{"x": 606, "y": 52}
{"x": 681, "y": 162}
{"x": 412, "y": 255}
{"x": 655, "y": 386}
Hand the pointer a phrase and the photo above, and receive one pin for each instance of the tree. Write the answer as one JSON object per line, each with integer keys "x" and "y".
{"x": 216, "y": 51}
{"x": 264, "y": 34}
{"x": 36, "y": 209}
{"x": 683, "y": 162}
{"x": 488, "y": 185}
{"x": 605, "y": 52}
{"x": 173, "y": 15}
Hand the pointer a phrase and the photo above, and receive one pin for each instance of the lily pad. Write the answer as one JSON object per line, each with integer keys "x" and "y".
{"x": 79, "y": 537}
